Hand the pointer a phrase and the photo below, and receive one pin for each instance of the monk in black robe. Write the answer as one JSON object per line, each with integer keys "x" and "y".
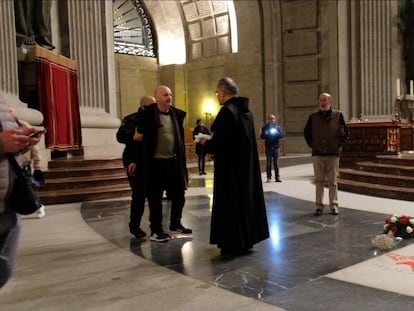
{"x": 239, "y": 215}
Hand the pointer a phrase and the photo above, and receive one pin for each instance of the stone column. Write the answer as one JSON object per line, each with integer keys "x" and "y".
{"x": 91, "y": 46}
{"x": 9, "y": 79}
{"x": 88, "y": 36}
{"x": 9, "y": 82}
{"x": 378, "y": 52}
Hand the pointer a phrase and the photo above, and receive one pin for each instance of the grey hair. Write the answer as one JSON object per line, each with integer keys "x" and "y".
{"x": 228, "y": 86}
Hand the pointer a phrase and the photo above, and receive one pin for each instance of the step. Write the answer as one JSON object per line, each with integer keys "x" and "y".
{"x": 82, "y": 171}
{"x": 386, "y": 168}
{"x": 378, "y": 178}
{"x": 377, "y": 190}
{"x": 402, "y": 159}
{"x": 78, "y": 179}
{"x": 84, "y": 194}
{"x": 77, "y": 162}
{"x": 84, "y": 181}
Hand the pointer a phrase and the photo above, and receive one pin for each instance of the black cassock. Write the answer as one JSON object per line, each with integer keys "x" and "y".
{"x": 239, "y": 214}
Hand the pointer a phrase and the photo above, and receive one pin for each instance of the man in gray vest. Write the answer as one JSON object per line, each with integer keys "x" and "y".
{"x": 326, "y": 133}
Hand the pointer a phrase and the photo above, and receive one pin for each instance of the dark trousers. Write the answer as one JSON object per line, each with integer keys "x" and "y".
{"x": 272, "y": 157}
{"x": 163, "y": 175}
{"x": 201, "y": 162}
{"x": 137, "y": 200}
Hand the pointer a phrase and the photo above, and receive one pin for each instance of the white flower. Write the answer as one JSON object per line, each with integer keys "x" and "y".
{"x": 393, "y": 218}
{"x": 409, "y": 229}
{"x": 411, "y": 221}
{"x": 386, "y": 226}
{"x": 396, "y": 215}
{"x": 384, "y": 241}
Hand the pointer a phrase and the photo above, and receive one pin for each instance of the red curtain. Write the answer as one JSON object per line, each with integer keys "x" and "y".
{"x": 58, "y": 98}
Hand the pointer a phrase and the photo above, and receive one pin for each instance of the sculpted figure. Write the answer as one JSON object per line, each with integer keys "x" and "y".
{"x": 32, "y": 18}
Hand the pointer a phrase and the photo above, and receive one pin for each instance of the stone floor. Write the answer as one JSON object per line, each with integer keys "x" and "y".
{"x": 81, "y": 257}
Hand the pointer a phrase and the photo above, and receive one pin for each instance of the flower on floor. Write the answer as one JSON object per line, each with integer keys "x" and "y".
{"x": 385, "y": 241}
{"x": 400, "y": 226}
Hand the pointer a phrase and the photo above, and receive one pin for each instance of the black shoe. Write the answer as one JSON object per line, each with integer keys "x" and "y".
{"x": 200, "y": 173}
{"x": 204, "y": 173}
{"x": 44, "y": 42}
{"x": 180, "y": 228}
{"x": 138, "y": 233}
{"x": 160, "y": 237}
{"x": 318, "y": 212}
{"x": 278, "y": 179}
{"x": 334, "y": 211}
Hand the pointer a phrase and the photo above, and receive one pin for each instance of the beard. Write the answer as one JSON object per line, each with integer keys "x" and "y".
{"x": 326, "y": 108}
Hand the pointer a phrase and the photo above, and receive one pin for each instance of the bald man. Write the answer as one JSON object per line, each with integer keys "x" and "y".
{"x": 326, "y": 133}
{"x": 161, "y": 125}
{"x": 132, "y": 160}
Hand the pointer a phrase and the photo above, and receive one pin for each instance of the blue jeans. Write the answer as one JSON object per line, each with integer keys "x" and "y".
{"x": 8, "y": 250}
{"x": 272, "y": 157}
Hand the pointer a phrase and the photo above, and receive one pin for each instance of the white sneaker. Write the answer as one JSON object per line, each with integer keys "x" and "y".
{"x": 41, "y": 212}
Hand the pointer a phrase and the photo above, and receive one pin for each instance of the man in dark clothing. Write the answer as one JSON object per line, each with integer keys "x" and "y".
{"x": 272, "y": 133}
{"x": 326, "y": 133}
{"x": 133, "y": 163}
{"x": 200, "y": 148}
{"x": 239, "y": 214}
{"x": 162, "y": 128}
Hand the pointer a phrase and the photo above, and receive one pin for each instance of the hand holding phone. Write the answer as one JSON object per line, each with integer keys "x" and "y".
{"x": 37, "y": 133}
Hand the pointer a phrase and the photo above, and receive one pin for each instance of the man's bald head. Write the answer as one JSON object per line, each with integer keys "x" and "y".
{"x": 146, "y": 100}
{"x": 163, "y": 96}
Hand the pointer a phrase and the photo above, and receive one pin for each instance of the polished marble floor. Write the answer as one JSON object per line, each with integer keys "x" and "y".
{"x": 308, "y": 263}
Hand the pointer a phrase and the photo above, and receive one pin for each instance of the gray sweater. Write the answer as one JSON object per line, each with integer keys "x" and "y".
{"x": 7, "y": 122}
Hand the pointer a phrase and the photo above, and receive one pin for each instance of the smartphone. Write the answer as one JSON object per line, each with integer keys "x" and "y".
{"x": 37, "y": 133}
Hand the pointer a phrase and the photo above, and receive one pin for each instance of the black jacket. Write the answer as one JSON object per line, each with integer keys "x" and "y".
{"x": 148, "y": 124}
{"x": 133, "y": 150}
{"x": 326, "y": 132}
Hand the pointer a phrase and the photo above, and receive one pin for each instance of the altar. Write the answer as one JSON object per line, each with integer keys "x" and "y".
{"x": 370, "y": 138}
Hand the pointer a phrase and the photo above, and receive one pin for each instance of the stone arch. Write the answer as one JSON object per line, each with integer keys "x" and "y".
{"x": 169, "y": 27}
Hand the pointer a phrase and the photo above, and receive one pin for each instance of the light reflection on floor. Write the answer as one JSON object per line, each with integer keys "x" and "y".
{"x": 302, "y": 249}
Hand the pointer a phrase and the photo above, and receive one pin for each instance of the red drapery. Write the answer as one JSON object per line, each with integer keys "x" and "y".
{"x": 58, "y": 98}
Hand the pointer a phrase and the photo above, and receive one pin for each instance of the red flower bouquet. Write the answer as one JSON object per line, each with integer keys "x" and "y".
{"x": 400, "y": 226}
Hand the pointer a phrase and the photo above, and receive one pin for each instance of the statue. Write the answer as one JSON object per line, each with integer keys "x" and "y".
{"x": 406, "y": 27}
{"x": 32, "y": 18}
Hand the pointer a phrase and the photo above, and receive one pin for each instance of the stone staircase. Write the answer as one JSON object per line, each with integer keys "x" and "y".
{"x": 81, "y": 179}
{"x": 388, "y": 176}
{"x": 78, "y": 179}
